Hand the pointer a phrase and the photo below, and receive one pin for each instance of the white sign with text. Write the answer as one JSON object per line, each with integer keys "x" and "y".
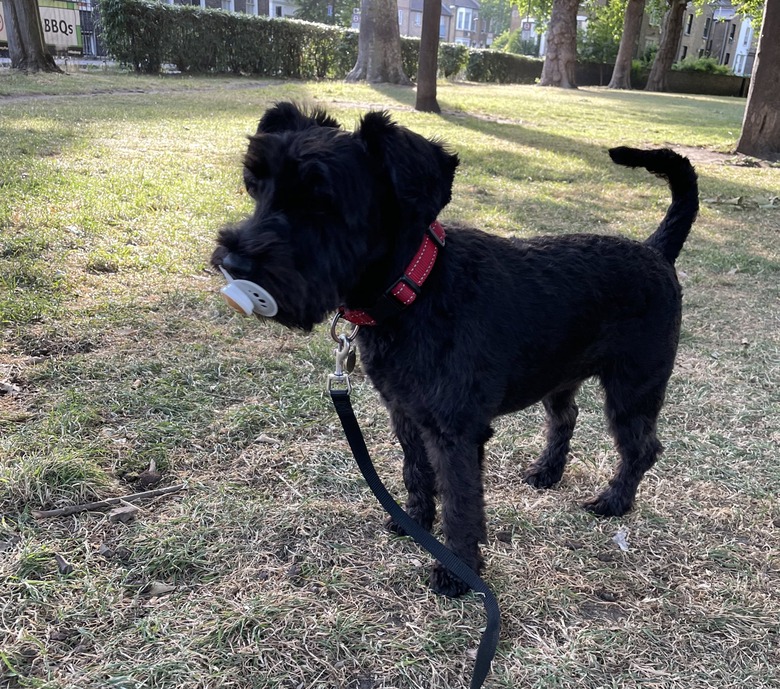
{"x": 60, "y": 27}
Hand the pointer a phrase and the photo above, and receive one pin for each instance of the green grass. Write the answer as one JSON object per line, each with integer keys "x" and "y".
{"x": 115, "y": 351}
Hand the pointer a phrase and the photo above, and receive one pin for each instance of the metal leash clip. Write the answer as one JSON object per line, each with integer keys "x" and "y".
{"x": 346, "y": 356}
{"x": 339, "y": 379}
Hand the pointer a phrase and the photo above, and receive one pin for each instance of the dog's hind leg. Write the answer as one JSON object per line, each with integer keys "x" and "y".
{"x": 419, "y": 477}
{"x": 632, "y": 411}
{"x": 561, "y": 412}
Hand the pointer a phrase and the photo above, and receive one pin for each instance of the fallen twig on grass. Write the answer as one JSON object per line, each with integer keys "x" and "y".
{"x": 105, "y": 504}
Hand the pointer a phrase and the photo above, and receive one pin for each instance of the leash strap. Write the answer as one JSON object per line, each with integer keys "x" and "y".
{"x": 489, "y": 641}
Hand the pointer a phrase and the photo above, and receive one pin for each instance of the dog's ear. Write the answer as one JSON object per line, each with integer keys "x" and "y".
{"x": 420, "y": 171}
{"x": 289, "y": 117}
{"x": 260, "y": 162}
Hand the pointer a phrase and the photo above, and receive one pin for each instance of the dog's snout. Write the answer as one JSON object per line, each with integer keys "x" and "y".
{"x": 236, "y": 265}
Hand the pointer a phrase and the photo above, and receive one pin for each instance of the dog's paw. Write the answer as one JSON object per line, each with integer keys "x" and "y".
{"x": 395, "y": 528}
{"x": 445, "y": 583}
{"x": 392, "y": 526}
{"x": 542, "y": 476}
{"x": 608, "y": 505}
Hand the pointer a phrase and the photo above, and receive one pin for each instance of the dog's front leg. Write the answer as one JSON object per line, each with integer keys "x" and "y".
{"x": 458, "y": 466}
{"x": 419, "y": 477}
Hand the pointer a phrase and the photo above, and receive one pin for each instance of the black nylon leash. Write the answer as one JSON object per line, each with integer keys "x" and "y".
{"x": 489, "y": 641}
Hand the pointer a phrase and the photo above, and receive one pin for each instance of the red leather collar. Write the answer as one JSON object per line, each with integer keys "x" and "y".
{"x": 407, "y": 288}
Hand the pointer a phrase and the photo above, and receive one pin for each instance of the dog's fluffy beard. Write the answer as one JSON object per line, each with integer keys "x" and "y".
{"x": 335, "y": 212}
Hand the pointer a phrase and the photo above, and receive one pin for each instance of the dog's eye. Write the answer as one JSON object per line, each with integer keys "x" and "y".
{"x": 323, "y": 204}
{"x": 317, "y": 189}
{"x": 252, "y": 184}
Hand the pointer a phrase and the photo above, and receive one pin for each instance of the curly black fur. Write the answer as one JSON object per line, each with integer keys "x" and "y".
{"x": 501, "y": 324}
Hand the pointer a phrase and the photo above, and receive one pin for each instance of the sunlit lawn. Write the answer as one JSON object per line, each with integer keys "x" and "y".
{"x": 115, "y": 351}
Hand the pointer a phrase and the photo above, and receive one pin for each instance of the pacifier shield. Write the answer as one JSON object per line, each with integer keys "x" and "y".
{"x": 237, "y": 300}
{"x": 264, "y": 304}
{"x": 247, "y": 297}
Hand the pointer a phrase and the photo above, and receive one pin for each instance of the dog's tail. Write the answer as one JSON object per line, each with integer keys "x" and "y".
{"x": 677, "y": 170}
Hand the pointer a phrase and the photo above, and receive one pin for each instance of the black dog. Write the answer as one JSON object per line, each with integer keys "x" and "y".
{"x": 464, "y": 328}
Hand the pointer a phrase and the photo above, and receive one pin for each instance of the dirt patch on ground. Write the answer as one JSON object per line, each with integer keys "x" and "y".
{"x": 704, "y": 156}
{"x": 700, "y": 156}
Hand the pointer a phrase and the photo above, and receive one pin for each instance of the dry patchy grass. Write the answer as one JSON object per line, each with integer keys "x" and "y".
{"x": 116, "y": 352}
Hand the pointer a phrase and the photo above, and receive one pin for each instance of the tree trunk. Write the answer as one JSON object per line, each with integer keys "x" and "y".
{"x": 26, "y": 46}
{"x": 560, "y": 61}
{"x": 761, "y": 125}
{"x": 621, "y": 74}
{"x": 379, "y": 45}
{"x": 671, "y": 34}
{"x": 429, "y": 58}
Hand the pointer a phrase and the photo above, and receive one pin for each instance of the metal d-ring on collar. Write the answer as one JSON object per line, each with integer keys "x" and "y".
{"x": 335, "y": 322}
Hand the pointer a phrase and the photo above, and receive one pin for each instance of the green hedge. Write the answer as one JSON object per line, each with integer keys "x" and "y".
{"x": 452, "y": 58}
{"x": 147, "y": 34}
{"x": 410, "y": 56}
{"x": 707, "y": 65}
{"x": 505, "y": 68}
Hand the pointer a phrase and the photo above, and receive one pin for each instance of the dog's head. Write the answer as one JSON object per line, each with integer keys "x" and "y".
{"x": 336, "y": 212}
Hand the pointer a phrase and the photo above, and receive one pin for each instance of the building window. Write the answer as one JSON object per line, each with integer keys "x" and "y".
{"x": 689, "y": 25}
{"x": 400, "y": 17}
{"x": 227, "y": 5}
{"x": 418, "y": 19}
{"x": 464, "y": 19}
{"x": 251, "y": 6}
{"x": 684, "y": 52}
{"x": 707, "y": 25}
{"x": 732, "y": 32}
{"x": 443, "y": 28}
{"x": 727, "y": 58}
{"x": 278, "y": 9}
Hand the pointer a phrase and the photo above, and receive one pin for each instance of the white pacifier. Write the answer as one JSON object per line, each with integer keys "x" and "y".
{"x": 247, "y": 298}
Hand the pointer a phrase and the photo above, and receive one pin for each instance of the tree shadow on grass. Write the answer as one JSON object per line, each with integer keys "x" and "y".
{"x": 565, "y": 176}
{"x": 593, "y": 155}
{"x": 403, "y": 95}
{"x": 573, "y": 186}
